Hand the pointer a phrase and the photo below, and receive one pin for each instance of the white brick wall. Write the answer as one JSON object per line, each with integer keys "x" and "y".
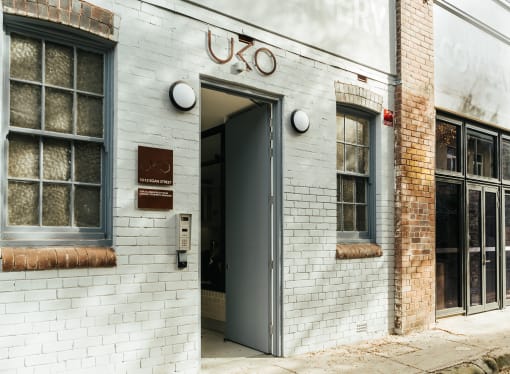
{"x": 143, "y": 316}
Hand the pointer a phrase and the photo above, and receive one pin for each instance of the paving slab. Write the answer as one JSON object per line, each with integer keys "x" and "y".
{"x": 454, "y": 345}
{"x": 442, "y": 354}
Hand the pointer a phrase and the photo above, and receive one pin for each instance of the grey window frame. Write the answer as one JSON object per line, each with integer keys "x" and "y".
{"x": 370, "y": 234}
{"x": 62, "y": 235}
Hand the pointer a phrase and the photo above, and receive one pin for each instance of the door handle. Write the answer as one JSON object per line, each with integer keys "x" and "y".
{"x": 484, "y": 260}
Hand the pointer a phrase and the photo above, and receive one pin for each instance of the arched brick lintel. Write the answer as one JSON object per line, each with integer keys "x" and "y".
{"x": 74, "y": 13}
{"x": 351, "y": 94}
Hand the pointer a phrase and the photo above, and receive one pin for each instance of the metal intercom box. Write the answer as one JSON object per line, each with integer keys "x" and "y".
{"x": 183, "y": 232}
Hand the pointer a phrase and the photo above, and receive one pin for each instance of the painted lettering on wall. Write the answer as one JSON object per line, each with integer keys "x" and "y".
{"x": 263, "y": 59}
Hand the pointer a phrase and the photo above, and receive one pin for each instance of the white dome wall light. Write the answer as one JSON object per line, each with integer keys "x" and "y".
{"x": 300, "y": 121}
{"x": 182, "y": 96}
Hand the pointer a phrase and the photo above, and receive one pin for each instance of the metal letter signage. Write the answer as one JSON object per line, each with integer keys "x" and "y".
{"x": 260, "y": 68}
{"x": 155, "y": 166}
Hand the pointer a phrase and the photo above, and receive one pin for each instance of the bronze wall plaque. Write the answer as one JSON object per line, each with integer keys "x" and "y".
{"x": 155, "y": 199}
{"x": 155, "y": 166}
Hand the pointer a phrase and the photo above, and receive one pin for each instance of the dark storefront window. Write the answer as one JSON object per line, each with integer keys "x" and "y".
{"x": 507, "y": 242}
{"x": 473, "y": 170}
{"x": 475, "y": 247}
{"x": 448, "y": 251}
{"x": 480, "y": 154}
{"x": 447, "y": 146}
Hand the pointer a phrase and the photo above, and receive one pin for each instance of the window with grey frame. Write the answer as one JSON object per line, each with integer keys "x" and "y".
{"x": 57, "y": 166}
{"x": 353, "y": 175}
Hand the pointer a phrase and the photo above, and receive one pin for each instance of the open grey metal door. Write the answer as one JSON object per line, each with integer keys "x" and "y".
{"x": 248, "y": 228}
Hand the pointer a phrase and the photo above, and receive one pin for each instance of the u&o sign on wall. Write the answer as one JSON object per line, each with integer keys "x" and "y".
{"x": 259, "y": 55}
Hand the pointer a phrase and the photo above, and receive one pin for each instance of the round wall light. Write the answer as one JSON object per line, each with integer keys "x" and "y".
{"x": 182, "y": 96}
{"x": 300, "y": 121}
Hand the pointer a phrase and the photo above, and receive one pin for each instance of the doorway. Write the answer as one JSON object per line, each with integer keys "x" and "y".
{"x": 239, "y": 247}
{"x": 483, "y": 249}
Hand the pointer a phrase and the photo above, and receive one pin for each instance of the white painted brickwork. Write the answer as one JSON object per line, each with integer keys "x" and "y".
{"x": 143, "y": 316}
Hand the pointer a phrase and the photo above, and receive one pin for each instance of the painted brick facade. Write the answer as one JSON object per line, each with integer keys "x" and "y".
{"x": 414, "y": 165}
{"x": 143, "y": 316}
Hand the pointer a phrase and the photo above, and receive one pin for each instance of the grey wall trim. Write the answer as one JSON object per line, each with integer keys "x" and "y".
{"x": 503, "y": 3}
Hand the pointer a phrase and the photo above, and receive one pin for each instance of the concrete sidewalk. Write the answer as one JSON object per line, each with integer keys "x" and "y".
{"x": 475, "y": 344}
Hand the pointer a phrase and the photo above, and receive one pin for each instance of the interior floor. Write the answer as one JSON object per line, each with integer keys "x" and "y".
{"x": 215, "y": 349}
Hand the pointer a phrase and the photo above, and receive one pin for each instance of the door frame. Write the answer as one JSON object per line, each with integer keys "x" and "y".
{"x": 473, "y": 186}
{"x": 275, "y": 293}
{"x": 505, "y": 301}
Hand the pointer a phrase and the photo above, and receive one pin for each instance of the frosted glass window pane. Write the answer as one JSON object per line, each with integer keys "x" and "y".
{"x": 23, "y": 156}
{"x": 347, "y": 189}
{"x": 86, "y": 206}
{"x": 339, "y": 217}
{"x": 59, "y": 65}
{"x": 338, "y": 187}
{"x": 25, "y": 58}
{"x": 351, "y": 158}
{"x": 25, "y": 108}
{"x": 361, "y": 218}
{"x": 340, "y": 128}
{"x": 90, "y": 72}
{"x": 348, "y": 217}
{"x": 340, "y": 156}
{"x": 87, "y": 162}
{"x": 350, "y": 129}
{"x": 59, "y": 111}
{"x": 90, "y": 116}
{"x": 56, "y": 160}
{"x": 363, "y": 131}
{"x": 23, "y": 202}
{"x": 360, "y": 190}
{"x": 363, "y": 161}
{"x": 55, "y": 205}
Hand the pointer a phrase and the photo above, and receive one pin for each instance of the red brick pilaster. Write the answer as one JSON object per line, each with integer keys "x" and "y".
{"x": 414, "y": 167}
